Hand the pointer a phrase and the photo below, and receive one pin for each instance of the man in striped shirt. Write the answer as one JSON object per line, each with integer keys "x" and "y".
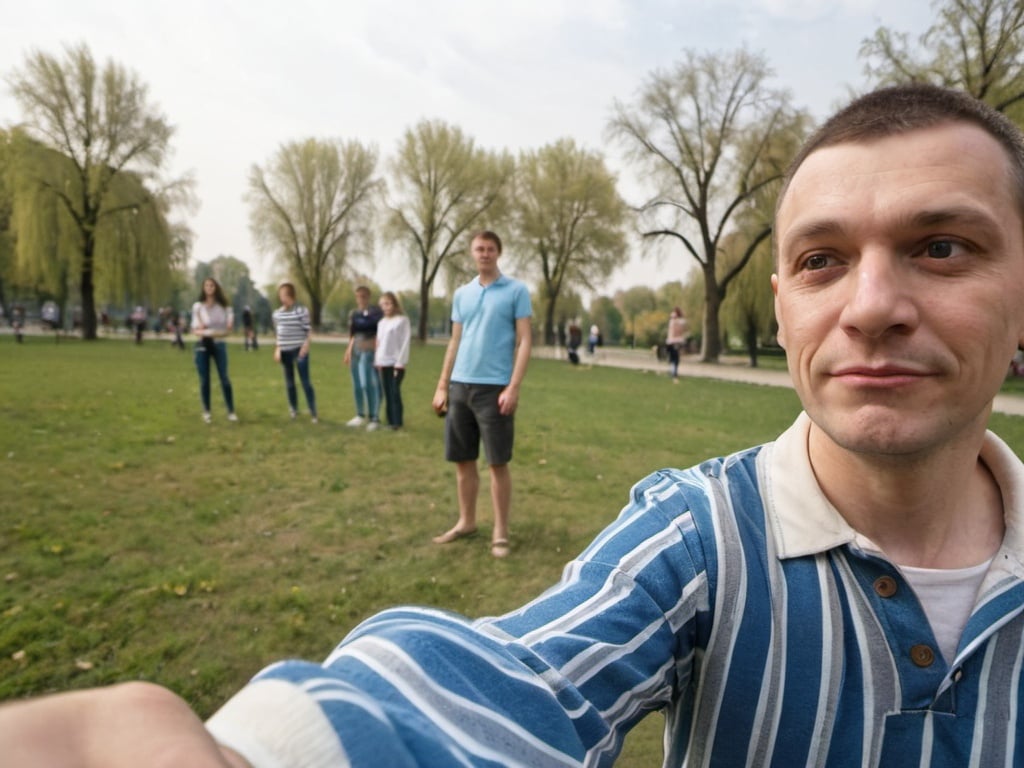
{"x": 848, "y": 595}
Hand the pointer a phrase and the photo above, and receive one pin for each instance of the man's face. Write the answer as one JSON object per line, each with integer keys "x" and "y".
{"x": 900, "y": 287}
{"x": 485, "y": 255}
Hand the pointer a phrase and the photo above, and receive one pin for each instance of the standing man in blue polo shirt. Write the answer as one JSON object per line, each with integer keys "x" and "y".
{"x": 483, "y": 369}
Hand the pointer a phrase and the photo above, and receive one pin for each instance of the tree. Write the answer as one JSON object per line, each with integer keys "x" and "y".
{"x": 974, "y": 45}
{"x": 705, "y": 132}
{"x": 750, "y": 307}
{"x": 568, "y": 218}
{"x": 103, "y": 125}
{"x": 442, "y": 187}
{"x": 606, "y": 316}
{"x": 6, "y": 231}
{"x": 633, "y": 303}
{"x": 312, "y": 209}
{"x": 136, "y": 248}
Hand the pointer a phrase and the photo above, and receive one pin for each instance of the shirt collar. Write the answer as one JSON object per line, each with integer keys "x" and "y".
{"x": 497, "y": 281}
{"x": 804, "y": 522}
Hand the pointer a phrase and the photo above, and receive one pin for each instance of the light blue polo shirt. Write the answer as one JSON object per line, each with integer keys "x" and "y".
{"x": 488, "y": 316}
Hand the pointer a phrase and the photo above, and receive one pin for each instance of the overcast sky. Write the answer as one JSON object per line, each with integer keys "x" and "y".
{"x": 237, "y": 79}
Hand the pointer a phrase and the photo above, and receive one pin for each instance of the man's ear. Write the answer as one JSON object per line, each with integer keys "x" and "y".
{"x": 780, "y": 337}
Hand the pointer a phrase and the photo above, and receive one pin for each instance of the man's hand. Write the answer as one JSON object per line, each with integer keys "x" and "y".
{"x": 440, "y": 401}
{"x": 508, "y": 399}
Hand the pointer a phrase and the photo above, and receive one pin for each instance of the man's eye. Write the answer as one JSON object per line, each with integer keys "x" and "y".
{"x": 940, "y": 249}
{"x": 816, "y": 261}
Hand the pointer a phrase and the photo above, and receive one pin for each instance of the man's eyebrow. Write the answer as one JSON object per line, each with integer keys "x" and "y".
{"x": 958, "y": 214}
{"x": 812, "y": 230}
{"x": 965, "y": 215}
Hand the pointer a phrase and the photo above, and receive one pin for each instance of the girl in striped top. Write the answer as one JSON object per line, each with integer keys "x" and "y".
{"x": 293, "y": 330}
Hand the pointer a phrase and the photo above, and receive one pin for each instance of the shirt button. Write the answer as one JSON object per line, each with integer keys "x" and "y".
{"x": 885, "y": 586}
{"x": 922, "y": 655}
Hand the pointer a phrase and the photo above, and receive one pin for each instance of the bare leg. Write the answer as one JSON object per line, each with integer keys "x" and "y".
{"x": 467, "y": 482}
{"x": 501, "y": 500}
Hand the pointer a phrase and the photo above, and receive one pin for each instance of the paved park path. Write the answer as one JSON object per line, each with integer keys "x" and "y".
{"x": 731, "y": 369}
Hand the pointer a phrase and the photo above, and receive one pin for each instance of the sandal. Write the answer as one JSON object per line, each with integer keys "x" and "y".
{"x": 453, "y": 535}
{"x": 500, "y": 548}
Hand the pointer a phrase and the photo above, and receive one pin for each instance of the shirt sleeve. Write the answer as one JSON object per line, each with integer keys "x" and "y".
{"x": 557, "y": 683}
{"x": 523, "y": 308}
{"x": 456, "y": 306}
{"x": 404, "y": 339}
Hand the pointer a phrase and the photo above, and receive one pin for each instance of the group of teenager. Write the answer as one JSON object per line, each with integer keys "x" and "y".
{"x": 377, "y": 352}
{"x": 477, "y": 391}
{"x": 848, "y": 594}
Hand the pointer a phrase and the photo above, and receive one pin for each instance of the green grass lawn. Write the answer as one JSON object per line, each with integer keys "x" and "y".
{"x": 137, "y": 542}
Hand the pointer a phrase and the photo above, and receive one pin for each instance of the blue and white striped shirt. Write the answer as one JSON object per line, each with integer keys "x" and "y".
{"x": 291, "y": 326}
{"x": 731, "y": 596}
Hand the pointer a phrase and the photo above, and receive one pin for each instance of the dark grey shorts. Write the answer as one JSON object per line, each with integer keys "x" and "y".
{"x": 473, "y": 416}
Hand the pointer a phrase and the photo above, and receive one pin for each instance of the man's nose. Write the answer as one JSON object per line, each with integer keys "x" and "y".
{"x": 879, "y": 298}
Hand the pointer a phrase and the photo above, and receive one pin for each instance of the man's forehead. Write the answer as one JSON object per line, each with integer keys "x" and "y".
{"x": 953, "y": 142}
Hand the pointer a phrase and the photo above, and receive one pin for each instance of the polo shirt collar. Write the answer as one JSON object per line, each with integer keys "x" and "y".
{"x": 498, "y": 281}
{"x": 804, "y": 522}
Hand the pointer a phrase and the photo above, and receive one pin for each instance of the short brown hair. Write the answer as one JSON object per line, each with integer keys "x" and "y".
{"x": 486, "y": 234}
{"x": 912, "y": 106}
{"x": 287, "y": 287}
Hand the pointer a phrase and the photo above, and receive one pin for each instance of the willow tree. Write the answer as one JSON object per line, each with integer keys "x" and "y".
{"x": 568, "y": 221}
{"x": 703, "y": 134}
{"x": 312, "y": 209}
{"x": 442, "y": 186}
{"x": 136, "y": 249}
{"x": 974, "y": 45}
{"x": 6, "y": 231}
{"x": 100, "y": 120}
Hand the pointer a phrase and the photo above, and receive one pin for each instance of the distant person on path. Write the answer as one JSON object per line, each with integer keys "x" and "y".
{"x": 50, "y": 315}
{"x": 593, "y": 339}
{"x": 676, "y": 340}
{"x": 138, "y": 318}
{"x": 362, "y": 339}
{"x": 18, "y": 322}
{"x": 212, "y": 321}
{"x": 250, "y": 329}
{"x": 392, "y": 355}
{"x": 175, "y": 321}
{"x": 575, "y": 340}
{"x": 294, "y": 333}
{"x": 484, "y": 366}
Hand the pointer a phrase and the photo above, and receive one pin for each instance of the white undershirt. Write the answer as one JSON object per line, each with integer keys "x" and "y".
{"x": 947, "y": 596}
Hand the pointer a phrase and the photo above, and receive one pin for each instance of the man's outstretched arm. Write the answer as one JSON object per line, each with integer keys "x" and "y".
{"x": 123, "y": 726}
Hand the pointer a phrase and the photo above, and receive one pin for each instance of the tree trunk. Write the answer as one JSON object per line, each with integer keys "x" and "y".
{"x": 549, "y": 323}
{"x": 316, "y": 315}
{"x": 711, "y": 342}
{"x": 421, "y": 332}
{"x": 88, "y": 291}
{"x": 752, "y": 343}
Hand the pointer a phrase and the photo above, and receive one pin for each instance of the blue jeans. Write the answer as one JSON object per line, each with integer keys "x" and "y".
{"x": 365, "y": 384}
{"x": 220, "y": 358}
{"x": 290, "y": 360}
{"x": 391, "y": 383}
